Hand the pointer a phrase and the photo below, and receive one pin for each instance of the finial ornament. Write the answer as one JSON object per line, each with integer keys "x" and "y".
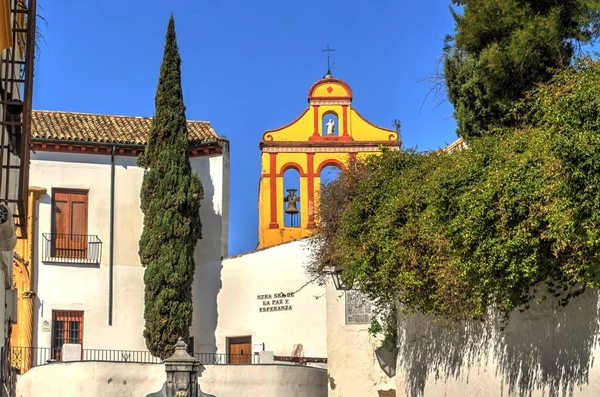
{"x": 329, "y": 64}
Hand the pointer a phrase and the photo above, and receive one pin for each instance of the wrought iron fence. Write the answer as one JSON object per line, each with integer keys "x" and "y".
{"x": 25, "y": 358}
{"x": 130, "y": 356}
{"x": 222, "y": 358}
{"x": 8, "y": 373}
{"x": 71, "y": 248}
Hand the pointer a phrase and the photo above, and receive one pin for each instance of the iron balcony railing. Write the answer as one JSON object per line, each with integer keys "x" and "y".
{"x": 71, "y": 248}
{"x": 25, "y": 358}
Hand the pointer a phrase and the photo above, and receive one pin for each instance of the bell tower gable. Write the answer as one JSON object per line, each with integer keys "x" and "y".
{"x": 328, "y": 133}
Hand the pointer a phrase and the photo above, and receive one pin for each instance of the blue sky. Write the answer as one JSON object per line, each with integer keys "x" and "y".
{"x": 247, "y": 67}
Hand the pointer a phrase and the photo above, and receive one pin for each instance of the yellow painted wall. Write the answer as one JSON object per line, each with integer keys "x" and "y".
{"x": 294, "y": 141}
{"x": 299, "y": 130}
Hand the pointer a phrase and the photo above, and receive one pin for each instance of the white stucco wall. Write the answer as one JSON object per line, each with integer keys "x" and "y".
{"x": 231, "y": 306}
{"x": 353, "y": 366}
{"x": 544, "y": 351}
{"x": 85, "y": 287}
{"x": 138, "y": 380}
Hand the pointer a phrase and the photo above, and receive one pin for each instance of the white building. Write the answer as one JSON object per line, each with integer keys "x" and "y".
{"x": 88, "y": 279}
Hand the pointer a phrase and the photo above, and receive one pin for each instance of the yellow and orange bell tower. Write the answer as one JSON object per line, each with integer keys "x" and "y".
{"x": 327, "y": 133}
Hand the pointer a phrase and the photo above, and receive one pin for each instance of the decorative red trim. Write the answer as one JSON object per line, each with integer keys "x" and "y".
{"x": 352, "y": 155}
{"x": 327, "y": 143}
{"x": 285, "y": 126}
{"x": 330, "y": 80}
{"x": 329, "y": 162}
{"x": 330, "y": 138}
{"x": 310, "y": 158}
{"x": 273, "y": 180}
{"x": 329, "y": 98}
{"x": 374, "y": 125}
{"x": 106, "y": 149}
{"x": 289, "y": 165}
{"x": 316, "y": 121}
{"x": 345, "y": 119}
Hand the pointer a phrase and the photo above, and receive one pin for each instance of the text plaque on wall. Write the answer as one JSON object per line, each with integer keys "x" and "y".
{"x": 275, "y": 302}
{"x": 359, "y": 309}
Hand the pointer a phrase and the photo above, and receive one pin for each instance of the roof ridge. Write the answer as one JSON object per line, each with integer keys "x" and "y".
{"x": 108, "y": 115}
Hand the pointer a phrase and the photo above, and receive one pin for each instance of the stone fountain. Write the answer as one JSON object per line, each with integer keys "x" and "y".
{"x": 182, "y": 375}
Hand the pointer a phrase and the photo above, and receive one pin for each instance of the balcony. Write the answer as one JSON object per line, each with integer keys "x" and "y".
{"x": 71, "y": 248}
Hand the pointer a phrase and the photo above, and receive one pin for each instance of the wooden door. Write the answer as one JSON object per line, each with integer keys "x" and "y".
{"x": 69, "y": 220}
{"x": 67, "y": 327}
{"x": 240, "y": 350}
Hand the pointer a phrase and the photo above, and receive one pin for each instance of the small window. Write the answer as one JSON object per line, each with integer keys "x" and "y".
{"x": 69, "y": 224}
{"x": 67, "y": 327}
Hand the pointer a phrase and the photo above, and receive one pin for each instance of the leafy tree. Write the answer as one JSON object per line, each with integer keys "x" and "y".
{"x": 513, "y": 217}
{"x": 170, "y": 201}
{"x": 502, "y": 48}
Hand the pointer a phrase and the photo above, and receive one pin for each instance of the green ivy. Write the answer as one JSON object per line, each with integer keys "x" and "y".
{"x": 457, "y": 234}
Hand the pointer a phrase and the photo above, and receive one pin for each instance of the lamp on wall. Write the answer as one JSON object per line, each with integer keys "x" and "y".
{"x": 338, "y": 281}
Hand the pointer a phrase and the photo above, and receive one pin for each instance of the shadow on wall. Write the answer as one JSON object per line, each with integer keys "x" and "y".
{"x": 207, "y": 277}
{"x": 545, "y": 348}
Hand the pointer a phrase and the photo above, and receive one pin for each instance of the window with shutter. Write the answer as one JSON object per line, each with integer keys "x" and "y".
{"x": 69, "y": 223}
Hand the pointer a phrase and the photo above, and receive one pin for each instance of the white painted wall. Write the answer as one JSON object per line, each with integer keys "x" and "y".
{"x": 354, "y": 369}
{"x": 230, "y": 306}
{"x": 138, "y": 380}
{"x": 85, "y": 287}
{"x": 544, "y": 351}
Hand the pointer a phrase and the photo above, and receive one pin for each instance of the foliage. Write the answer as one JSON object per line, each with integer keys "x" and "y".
{"x": 456, "y": 234}
{"x": 170, "y": 201}
{"x": 501, "y": 48}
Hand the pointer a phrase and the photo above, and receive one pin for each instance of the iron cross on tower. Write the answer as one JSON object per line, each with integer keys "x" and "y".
{"x": 329, "y": 65}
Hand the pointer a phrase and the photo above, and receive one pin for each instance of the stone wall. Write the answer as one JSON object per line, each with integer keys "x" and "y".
{"x": 137, "y": 380}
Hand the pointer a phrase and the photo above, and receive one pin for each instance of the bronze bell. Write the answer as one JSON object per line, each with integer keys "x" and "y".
{"x": 291, "y": 201}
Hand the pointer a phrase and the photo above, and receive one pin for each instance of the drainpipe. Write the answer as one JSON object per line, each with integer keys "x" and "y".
{"x": 112, "y": 236}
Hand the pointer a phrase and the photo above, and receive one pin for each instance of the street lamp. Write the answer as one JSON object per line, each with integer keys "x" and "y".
{"x": 338, "y": 281}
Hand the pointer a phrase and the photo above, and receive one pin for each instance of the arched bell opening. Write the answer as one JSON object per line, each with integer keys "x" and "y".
{"x": 329, "y": 124}
{"x": 291, "y": 198}
{"x": 329, "y": 174}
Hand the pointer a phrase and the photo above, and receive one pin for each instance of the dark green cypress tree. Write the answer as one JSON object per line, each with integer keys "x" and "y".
{"x": 170, "y": 201}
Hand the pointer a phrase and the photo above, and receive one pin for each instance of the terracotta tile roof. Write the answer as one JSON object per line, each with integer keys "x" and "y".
{"x": 103, "y": 128}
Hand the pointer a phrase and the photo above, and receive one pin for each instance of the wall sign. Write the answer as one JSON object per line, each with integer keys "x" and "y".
{"x": 359, "y": 309}
{"x": 46, "y": 326}
{"x": 275, "y": 302}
